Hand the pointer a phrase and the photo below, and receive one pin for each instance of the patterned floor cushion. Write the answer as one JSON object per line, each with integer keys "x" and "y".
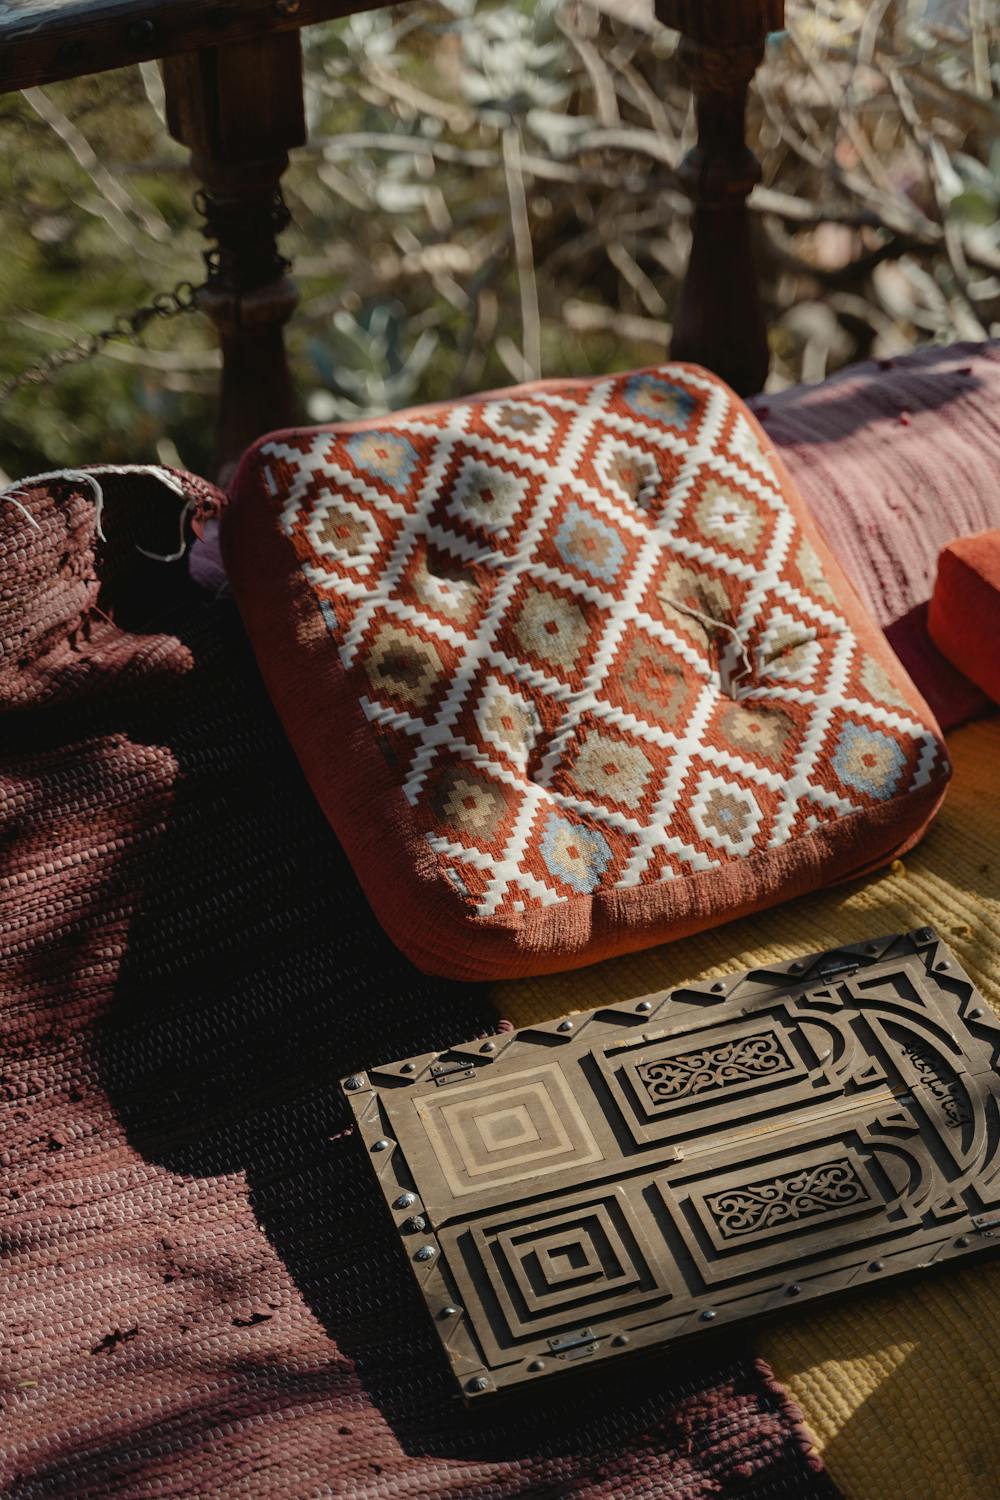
{"x": 965, "y": 609}
{"x": 570, "y": 669}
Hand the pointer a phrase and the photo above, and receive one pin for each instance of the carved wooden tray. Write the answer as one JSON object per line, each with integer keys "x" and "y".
{"x": 634, "y": 1175}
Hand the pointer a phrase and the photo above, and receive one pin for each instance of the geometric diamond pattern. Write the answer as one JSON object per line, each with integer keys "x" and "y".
{"x": 611, "y": 769}
{"x": 591, "y": 635}
{"x": 343, "y": 531}
{"x": 551, "y": 628}
{"x": 725, "y": 814}
{"x": 386, "y": 455}
{"x": 589, "y": 545}
{"x": 729, "y": 518}
{"x": 403, "y": 665}
{"x": 576, "y": 855}
{"x": 627, "y": 471}
{"x": 486, "y": 495}
{"x": 762, "y": 731}
{"x": 868, "y": 760}
{"x": 507, "y": 721}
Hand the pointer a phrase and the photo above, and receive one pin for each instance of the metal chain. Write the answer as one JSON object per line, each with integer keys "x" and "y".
{"x": 243, "y": 253}
{"x": 252, "y": 260}
{"x": 182, "y": 299}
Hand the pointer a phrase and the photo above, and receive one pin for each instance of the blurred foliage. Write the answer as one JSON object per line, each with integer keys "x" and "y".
{"x": 488, "y": 194}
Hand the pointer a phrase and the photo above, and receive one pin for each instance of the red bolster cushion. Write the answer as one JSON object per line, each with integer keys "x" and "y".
{"x": 964, "y": 618}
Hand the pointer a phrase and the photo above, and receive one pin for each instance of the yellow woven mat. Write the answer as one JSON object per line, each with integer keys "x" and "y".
{"x": 901, "y": 1388}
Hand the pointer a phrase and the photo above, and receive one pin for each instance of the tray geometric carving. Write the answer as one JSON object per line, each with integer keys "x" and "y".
{"x": 635, "y": 1175}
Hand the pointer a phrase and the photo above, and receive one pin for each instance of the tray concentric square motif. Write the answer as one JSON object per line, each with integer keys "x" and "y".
{"x": 628, "y": 1177}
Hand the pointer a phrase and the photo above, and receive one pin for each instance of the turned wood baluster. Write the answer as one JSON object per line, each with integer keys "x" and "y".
{"x": 717, "y": 318}
{"x": 239, "y": 109}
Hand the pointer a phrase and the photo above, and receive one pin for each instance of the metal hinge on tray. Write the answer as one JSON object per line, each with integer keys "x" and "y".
{"x": 451, "y": 1072}
{"x": 575, "y": 1345}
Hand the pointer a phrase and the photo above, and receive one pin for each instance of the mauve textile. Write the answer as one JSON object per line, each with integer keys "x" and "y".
{"x": 895, "y": 459}
{"x": 202, "y": 1295}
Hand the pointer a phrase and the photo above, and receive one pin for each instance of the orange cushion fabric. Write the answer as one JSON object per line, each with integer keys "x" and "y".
{"x": 964, "y": 618}
{"x": 570, "y": 669}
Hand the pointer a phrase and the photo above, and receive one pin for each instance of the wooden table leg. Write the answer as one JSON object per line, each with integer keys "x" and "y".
{"x": 718, "y": 320}
{"x": 239, "y": 109}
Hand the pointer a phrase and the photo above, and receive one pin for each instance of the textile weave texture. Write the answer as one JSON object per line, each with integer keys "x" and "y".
{"x": 202, "y": 1295}
{"x": 895, "y": 459}
{"x": 599, "y": 681}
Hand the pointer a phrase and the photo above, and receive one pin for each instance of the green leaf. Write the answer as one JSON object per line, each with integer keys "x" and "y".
{"x": 973, "y": 207}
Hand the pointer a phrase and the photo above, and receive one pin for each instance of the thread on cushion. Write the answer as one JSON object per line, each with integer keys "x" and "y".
{"x": 78, "y": 474}
{"x": 168, "y": 557}
{"x": 166, "y": 477}
{"x": 711, "y": 624}
{"x": 12, "y": 498}
{"x": 205, "y": 501}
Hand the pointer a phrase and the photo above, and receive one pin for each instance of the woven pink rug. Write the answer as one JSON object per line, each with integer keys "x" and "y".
{"x": 201, "y": 1296}
{"x": 201, "y": 1293}
{"x": 895, "y": 459}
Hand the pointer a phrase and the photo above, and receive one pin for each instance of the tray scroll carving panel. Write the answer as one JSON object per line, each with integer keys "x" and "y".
{"x": 570, "y": 1193}
{"x": 678, "y": 1076}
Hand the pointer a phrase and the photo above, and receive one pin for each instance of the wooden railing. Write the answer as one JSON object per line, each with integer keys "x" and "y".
{"x": 232, "y": 72}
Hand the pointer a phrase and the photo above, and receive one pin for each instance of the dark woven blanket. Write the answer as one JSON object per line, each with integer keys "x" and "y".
{"x": 202, "y": 1296}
